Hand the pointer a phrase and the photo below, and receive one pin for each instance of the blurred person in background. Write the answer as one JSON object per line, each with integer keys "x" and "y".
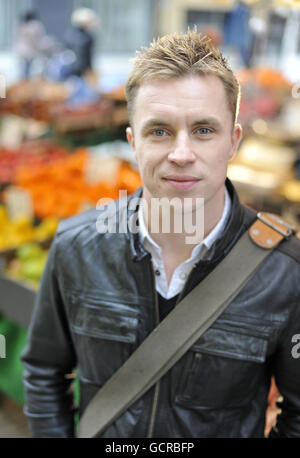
{"x": 238, "y": 33}
{"x": 80, "y": 40}
{"x": 30, "y": 40}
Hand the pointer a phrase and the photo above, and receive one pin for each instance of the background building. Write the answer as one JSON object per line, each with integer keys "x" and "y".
{"x": 125, "y": 25}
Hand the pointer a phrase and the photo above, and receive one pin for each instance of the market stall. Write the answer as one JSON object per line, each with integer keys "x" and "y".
{"x": 55, "y": 161}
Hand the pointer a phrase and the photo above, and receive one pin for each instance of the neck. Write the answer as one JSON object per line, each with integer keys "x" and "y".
{"x": 178, "y": 246}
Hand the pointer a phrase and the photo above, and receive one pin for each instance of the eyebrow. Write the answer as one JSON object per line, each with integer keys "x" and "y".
{"x": 154, "y": 122}
{"x": 211, "y": 121}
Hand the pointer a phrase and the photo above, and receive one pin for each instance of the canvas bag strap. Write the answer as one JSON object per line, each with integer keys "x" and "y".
{"x": 183, "y": 326}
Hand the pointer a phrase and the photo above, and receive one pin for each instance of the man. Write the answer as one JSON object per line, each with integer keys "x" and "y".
{"x": 30, "y": 40}
{"x": 80, "y": 40}
{"x": 103, "y": 293}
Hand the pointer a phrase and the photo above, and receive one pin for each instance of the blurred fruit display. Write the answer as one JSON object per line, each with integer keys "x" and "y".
{"x": 290, "y": 189}
{"x": 33, "y": 98}
{"x": 263, "y": 93}
{"x": 263, "y": 77}
{"x": 92, "y": 116}
{"x": 32, "y": 154}
{"x": 15, "y": 232}
{"x": 59, "y": 188}
{"x": 52, "y": 103}
{"x": 62, "y": 188}
{"x": 28, "y": 264}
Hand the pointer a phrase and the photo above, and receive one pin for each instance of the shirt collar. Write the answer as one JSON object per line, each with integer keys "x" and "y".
{"x": 204, "y": 245}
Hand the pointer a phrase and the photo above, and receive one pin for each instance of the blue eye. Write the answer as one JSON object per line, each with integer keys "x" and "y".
{"x": 159, "y": 132}
{"x": 204, "y": 130}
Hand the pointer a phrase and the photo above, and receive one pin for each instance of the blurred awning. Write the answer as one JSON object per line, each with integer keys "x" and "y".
{"x": 288, "y": 3}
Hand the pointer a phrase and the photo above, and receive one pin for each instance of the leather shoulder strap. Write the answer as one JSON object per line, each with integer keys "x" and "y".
{"x": 270, "y": 229}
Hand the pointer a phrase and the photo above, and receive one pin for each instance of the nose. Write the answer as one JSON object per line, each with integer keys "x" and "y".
{"x": 182, "y": 152}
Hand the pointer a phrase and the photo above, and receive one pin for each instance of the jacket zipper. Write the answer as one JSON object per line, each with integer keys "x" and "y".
{"x": 157, "y": 385}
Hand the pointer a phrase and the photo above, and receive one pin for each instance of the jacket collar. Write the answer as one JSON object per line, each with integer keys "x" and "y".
{"x": 236, "y": 225}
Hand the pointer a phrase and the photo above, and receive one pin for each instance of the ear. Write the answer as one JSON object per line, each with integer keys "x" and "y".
{"x": 236, "y": 138}
{"x": 130, "y": 138}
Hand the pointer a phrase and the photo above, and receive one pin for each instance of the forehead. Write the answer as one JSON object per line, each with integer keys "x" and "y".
{"x": 189, "y": 96}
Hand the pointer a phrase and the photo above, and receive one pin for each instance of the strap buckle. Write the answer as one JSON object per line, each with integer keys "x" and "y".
{"x": 290, "y": 230}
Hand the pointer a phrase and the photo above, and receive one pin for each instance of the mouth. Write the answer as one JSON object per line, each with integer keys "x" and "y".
{"x": 181, "y": 181}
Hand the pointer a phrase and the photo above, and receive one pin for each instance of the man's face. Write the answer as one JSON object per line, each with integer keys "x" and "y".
{"x": 183, "y": 138}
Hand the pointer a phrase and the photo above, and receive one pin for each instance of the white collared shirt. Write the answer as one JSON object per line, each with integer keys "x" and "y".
{"x": 182, "y": 271}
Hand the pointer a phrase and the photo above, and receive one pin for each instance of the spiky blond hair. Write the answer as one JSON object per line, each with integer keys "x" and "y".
{"x": 177, "y": 55}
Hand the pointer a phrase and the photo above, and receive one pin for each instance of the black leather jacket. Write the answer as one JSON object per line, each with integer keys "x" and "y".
{"x": 97, "y": 303}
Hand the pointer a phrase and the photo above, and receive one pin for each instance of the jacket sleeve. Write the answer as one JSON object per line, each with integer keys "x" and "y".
{"x": 287, "y": 378}
{"x": 48, "y": 357}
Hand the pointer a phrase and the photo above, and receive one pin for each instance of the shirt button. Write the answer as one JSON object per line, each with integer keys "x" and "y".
{"x": 182, "y": 276}
{"x": 157, "y": 272}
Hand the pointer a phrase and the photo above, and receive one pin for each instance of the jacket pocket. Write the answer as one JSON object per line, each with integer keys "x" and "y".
{"x": 232, "y": 344}
{"x": 105, "y": 335}
{"x": 105, "y": 323}
{"x": 221, "y": 369}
